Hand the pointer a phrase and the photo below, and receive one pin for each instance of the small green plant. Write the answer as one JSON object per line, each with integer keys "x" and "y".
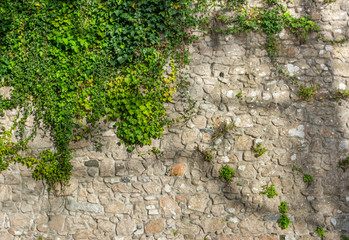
{"x": 283, "y": 207}
{"x": 223, "y": 129}
{"x": 271, "y": 2}
{"x": 207, "y": 154}
{"x": 320, "y": 231}
{"x": 269, "y": 191}
{"x": 283, "y": 221}
{"x": 295, "y": 168}
{"x": 307, "y": 178}
{"x": 344, "y": 164}
{"x": 343, "y": 237}
{"x": 175, "y": 233}
{"x": 226, "y": 172}
{"x": 259, "y": 150}
{"x": 239, "y": 95}
{"x": 307, "y": 93}
{"x": 339, "y": 94}
{"x": 329, "y": 1}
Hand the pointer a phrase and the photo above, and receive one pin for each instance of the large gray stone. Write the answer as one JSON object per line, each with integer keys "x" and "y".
{"x": 72, "y": 205}
{"x": 341, "y": 223}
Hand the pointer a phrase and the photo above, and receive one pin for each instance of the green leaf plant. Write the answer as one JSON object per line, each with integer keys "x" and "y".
{"x": 72, "y": 63}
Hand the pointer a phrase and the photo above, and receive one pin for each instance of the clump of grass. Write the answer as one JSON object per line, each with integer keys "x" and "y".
{"x": 307, "y": 93}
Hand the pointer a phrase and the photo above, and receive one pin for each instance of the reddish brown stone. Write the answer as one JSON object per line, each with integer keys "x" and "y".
{"x": 180, "y": 198}
{"x": 155, "y": 226}
{"x": 178, "y": 169}
{"x": 42, "y": 227}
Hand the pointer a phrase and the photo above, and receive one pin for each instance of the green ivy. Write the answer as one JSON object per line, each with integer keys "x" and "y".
{"x": 72, "y": 63}
{"x": 270, "y": 19}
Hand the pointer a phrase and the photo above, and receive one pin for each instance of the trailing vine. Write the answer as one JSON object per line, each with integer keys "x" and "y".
{"x": 236, "y": 16}
{"x": 72, "y": 63}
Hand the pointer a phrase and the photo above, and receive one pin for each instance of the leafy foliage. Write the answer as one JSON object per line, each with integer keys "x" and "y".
{"x": 270, "y": 20}
{"x": 223, "y": 129}
{"x": 226, "y": 172}
{"x": 343, "y": 237}
{"x": 206, "y": 154}
{"x": 284, "y": 221}
{"x": 320, "y": 231}
{"x": 344, "y": 163}
{"x": 307, "y": 178}
{"x": 72, "y": 63}
{"x": 307, "y": 93}
{"x": 259, "y": 150}
{"x": 283, "y": 207}
{"x": 269, "y": 191}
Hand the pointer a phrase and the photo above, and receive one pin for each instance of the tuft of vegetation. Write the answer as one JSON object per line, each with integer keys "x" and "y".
{"x": 207, "y": 154}
{"x": 259, "y": 150}
{"x": 307, "y": 178}
{"x": 307, "y": 93}
{"x": 269, "y": 191}
{"x": 344, "y": 164}
{"x": 226, "y": 172}
{"x": 320, "y": 231}
{"x": 223, "y": 129}
{"x": 239, "y": 95}
{"x": 284, "y": 221}
{"x": 283, "y": 207}
{"x": 343, "y": 237}
{"x": 295, "y": 168}
{"x": 339, "y": 94}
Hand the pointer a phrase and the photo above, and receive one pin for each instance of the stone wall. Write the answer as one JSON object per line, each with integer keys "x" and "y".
{"x": 177, "y": 195}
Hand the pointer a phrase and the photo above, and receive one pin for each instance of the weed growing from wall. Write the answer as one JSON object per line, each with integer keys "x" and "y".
{"x": 320, "y": 231}
{"x": 283, "y": 221}
{"x": 269, "y": 191}
{"x": 226, "y": 172}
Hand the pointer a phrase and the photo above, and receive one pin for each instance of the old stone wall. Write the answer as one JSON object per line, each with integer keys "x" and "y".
{"x": 177, "y": 195}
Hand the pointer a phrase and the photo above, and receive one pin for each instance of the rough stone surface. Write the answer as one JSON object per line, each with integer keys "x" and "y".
{"x": 125, "y": 227}
{"x": 5, "y": 193}
{"x": 169, "y": 206}
{"x": 178, "y": 169}
{"x": 154, "y": 226}
{"x": 121, "y": 195}
{"x": 198, "y": 202}
{"x": 114, "y": 207}
{"x": 212, "y": 225}
{"x": 56, "y": 222}
{"x": 72, "y": 205}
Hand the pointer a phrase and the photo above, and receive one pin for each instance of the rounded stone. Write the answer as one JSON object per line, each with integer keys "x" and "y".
{"x": 178, "y": 169}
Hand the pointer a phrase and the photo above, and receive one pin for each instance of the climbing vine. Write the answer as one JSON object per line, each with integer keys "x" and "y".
{"x": 236, "y": 16}
{"x": 72, "y": 63}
